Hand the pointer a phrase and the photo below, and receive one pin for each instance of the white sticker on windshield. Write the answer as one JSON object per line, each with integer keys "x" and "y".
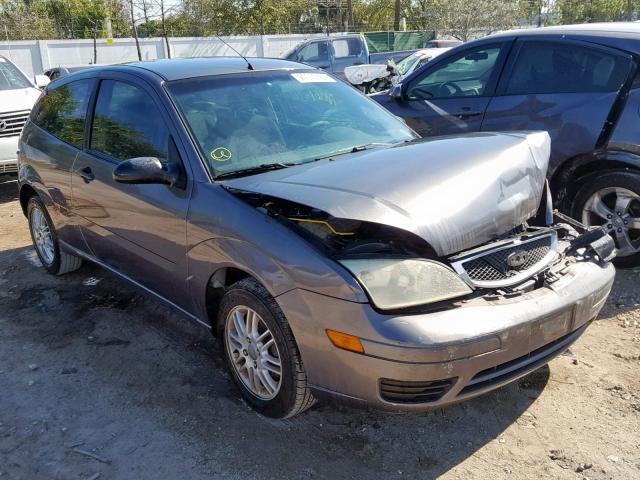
{"x": 2, "y": 60}
{"x": 313, "y": 78}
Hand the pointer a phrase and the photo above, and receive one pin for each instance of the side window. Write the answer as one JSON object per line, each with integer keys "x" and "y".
{"x": 346, "y": 47}
{"x": 464, "y": 75}
{"x": 546, "y": 67}
{"x": 314, "y": 52}
{"x": 127, "y": 123}
{"x": 62, "y": 111}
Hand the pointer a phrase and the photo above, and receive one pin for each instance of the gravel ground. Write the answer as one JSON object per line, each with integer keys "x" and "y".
{"x": 99, "y": 382}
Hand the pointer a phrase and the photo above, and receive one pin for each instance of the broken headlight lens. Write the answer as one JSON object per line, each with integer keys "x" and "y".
{"x": 398, "y": 283}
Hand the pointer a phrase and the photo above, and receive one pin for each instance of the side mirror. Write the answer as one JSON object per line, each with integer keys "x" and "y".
{"x": 396, "y": 92}
{"x": 41, "y": 81}
{"x": 145, "y": 170}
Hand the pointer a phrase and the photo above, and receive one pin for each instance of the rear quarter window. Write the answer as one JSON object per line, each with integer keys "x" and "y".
{"x": 62, "y": 111}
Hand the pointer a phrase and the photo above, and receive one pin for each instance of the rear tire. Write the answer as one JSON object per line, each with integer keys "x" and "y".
{"x": 276, "y": 395}
{"x": 45, "y": 240}
{"x": 612, "y": 200}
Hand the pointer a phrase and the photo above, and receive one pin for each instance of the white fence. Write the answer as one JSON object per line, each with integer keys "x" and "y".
{"x": 36, "y": 56}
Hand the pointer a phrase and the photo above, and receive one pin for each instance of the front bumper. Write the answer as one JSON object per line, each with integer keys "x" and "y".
{"x": 8, "y": 155}
{"x": 444, "y": 356}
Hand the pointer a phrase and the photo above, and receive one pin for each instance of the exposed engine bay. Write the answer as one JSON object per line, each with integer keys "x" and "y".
{"x": 339, "y": 237}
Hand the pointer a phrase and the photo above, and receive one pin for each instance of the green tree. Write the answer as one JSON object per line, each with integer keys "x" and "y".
{"x": 582, "y": 11}
{"x": 44, "y": 19}
{"x": 274, "y": 16}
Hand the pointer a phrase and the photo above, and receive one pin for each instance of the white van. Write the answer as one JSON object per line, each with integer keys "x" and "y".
{"x": 17, "y": 96}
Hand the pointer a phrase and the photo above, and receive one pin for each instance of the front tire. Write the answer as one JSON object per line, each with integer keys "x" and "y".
{"x": 261, "y": 353}
{"x": 612, "y": 200}
{"x": 45, "y": 240}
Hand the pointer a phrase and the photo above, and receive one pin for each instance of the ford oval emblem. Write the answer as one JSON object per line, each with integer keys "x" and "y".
{"x": 518, "y": 259}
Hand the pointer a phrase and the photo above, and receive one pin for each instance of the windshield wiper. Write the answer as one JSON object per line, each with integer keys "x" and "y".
{"x": 357, "y": 148}
{"x": 265, "y": 167}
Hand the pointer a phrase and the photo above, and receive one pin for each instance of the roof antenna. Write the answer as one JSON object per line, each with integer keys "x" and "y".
{"x": 239, "y": 54}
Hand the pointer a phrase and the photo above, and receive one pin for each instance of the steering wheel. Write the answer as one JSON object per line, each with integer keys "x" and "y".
{"x": 446, "y": 87}
{"x": 319, "y": 123}
{"x": 331, "y": 116}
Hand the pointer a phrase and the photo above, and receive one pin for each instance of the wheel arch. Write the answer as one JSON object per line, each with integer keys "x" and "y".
{"x": 571, "y": 175}
{"x": 26, "y": 192}
{"x": 218, "y": 284}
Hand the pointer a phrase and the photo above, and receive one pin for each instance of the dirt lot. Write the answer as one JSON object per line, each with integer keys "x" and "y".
{"x": 95, "y": 379}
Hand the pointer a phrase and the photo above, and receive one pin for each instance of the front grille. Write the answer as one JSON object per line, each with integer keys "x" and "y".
{"x": 398, "y": 391}
{"x": 491, "y": 268}
{"x": 508, "y": 371}
{"x": 11, "y": 123}
{"x": 8, "y": 168}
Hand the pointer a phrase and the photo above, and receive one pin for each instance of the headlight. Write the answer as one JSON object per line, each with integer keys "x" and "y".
{"x": 394, "y": 283}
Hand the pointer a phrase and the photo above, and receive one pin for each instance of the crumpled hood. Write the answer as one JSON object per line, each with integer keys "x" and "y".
{"x": 18, "y": 99}
{"x": 454, "y": 192}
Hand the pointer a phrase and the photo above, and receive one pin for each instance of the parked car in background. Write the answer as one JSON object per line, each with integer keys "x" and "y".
{"x": 17, "y": 96}
{"x": 444, "y": 43}
{"x": 331, "y": 252}
{"x": 580, "y": 83}
{"x": 334, "y": 54}
{"x": 371, "y": 78}
{"x": 57, "y": 72}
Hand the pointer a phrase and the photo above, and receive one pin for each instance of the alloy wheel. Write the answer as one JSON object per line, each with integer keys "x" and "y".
{"x": 618, "y": 211}
{"x": 42, "y": 237}
{"x": 253, "y": 352}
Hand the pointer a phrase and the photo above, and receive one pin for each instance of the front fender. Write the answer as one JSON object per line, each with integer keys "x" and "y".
{"x": 277, "y": 275}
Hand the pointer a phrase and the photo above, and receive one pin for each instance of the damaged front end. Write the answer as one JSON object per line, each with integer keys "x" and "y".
{"x": 401, "y": 272}
{"x": 478, "y": 222}
{"x": 532, "y": 257}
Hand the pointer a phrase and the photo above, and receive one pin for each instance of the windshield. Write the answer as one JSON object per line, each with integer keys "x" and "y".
{"x": 280, "y": 118}
{"x": 10, "y": 77}
{"x": 404, "y": 65}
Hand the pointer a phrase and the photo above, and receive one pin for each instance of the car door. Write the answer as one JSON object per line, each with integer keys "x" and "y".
{"x": 139, "y": 230}
{"x": 52, "y": 147}
{"x": 451, "y": 96}
{"x": 563, "y": 86}
{"x": 346, "y": 52}
{"x": 315, "y": 54}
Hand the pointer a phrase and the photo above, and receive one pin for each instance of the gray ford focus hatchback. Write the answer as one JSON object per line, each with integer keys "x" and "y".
{"x": 332, "y": 252}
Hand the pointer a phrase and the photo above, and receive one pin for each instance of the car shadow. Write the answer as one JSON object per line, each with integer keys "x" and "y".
{"x": 625, "y": 294}
{"x": 149, "y": 373}
{"x": 8, "y": 188}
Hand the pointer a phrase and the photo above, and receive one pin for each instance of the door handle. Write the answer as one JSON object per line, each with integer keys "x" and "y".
{"x": 86, "y": 174}
{"x": 323, "y": 67}
{"x": 465, "y": 114}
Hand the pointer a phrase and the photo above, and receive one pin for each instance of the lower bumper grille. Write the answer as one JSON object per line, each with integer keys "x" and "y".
{"x": 8, "y": 168}
{"x": 414, "y": 392}
{"x": 520, "y": 366}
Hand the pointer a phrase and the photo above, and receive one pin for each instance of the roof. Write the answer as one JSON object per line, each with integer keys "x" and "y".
{"x": 179, "y": 68}
{"x": 618, "y": 29}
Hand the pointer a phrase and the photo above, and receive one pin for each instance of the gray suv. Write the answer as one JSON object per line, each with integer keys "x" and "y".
{"x": 332, "y": 252}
